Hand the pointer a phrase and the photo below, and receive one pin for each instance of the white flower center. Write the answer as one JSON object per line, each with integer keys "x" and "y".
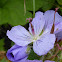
{"x": 35, "y": 38}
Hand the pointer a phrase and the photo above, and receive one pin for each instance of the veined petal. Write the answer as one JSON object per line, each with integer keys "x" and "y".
{"x": 30, "y": 61}
{"x": 58, "y": 34}
{"x": 44, "y": 44}
{"x": 23, "y": 60}
{"x": 38, "y": 14}
{"x": 58, "y": 31}
{"x": 47, "y": 30}
{"x": 49, "y": 18}
{"x": 19, "y": 35}
{"x": 58, "y": 26}
{"x": 49, "y": 61}
{"x": 38, "y": 23}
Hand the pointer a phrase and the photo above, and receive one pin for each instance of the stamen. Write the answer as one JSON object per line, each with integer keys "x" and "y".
{"x": 52, "y": 30}
{"x": 30, "y": 20}
{"x": 32, "y": 29}
{"x": 56, "y": 9}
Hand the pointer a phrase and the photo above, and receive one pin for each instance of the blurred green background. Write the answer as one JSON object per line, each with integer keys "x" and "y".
{"x": 15, "y": 12}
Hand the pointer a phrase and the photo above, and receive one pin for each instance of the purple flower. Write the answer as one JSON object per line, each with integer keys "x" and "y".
{"x": 49, "y": 18}
{"x": 49, "y": 61}
{"x": 34, "y": 61}
{"x": 30, "y": 61}
{"x": 58, "y": 31}
{"x": 42, "y": 40}
{"x": 16, "y": 53}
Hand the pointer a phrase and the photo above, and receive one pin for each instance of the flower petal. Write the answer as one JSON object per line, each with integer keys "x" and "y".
{"x": 16, "y": 52}
{"x": 44, "y": 44}
{"x": 38, "y": 23}
{"x": 49, "y": 61}
{"x": 58, "y": 34}
{"x": 58, "y": 31}
{"x": 58, "y": 26}
{"x": 49, "y": 18}
{"x": 23, "y": 60}
{"x": 19, "y": 35}
{"x": 30, "y": 61}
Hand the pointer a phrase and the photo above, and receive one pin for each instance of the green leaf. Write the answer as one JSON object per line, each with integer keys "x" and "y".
{"x": 33, "y": 56}
{"x": 59, "y": 1}
{"x": 60, "y": 10}
{"x": 1, "y": 44}
{"x": 2, "y": 3}
{"x": 58, "y": 58}
{"x": 12, "y": 43}
{"x": 13, "y": 13}
{"x": 29, "y": 4}
{"x": 44, "y": 4}
{"x": 47, "y": 4}
{"x": 4, "y": 60}
{"x": 61, "y": 57}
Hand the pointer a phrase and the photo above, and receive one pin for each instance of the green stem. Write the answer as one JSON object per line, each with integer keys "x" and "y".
{"x": 24, "y": 8}
{"x": 33, "y": 8}
{"x": 57, "y": 50}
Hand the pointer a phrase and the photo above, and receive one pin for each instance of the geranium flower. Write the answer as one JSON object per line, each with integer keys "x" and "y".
{"x": 34, "y": 61}
{"x": 42, "y": 40}
{"x": 48, "y": 61}
{"x": 16, "y": 53}
{"x": 58, "y": 31}
{"x": 49, "y": 18}
{"x": 30, "y": 61}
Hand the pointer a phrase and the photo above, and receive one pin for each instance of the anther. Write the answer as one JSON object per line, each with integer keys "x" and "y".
{"x": 29, "y": 19}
